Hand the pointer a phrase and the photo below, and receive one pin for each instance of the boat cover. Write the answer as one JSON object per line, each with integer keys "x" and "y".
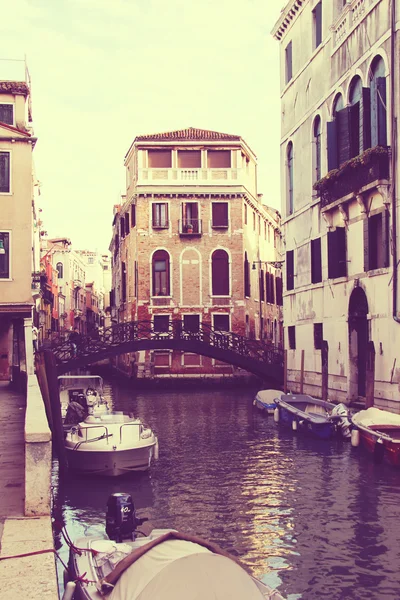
{"x": 375, "y": 416}
{"x": 182, "y": 570}
{"x": 268, "y": 396}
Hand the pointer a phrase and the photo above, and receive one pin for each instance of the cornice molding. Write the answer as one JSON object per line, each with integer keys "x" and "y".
{"x": 288, "y": 15}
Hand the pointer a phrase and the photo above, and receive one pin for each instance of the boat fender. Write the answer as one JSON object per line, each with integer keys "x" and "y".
{"x": 69, "y": 590}
{"x": 294, "y": 425}
{"x": 355, "y": 438}
{"x": 276, "y": 415}
{"x": 156, "y": 451}
{"x": 379, "y": 451}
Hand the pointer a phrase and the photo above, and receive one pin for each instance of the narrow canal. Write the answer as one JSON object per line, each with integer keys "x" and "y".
{"x": 315, "y": 519}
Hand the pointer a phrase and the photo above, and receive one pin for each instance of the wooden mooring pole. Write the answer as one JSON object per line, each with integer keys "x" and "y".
{"x": 324, "y": 370}
{"x": 54, "y": 395}
{"x": 302, "y": 372}
{"x": 285, "y": 371}
{"x": 370, "y": 376}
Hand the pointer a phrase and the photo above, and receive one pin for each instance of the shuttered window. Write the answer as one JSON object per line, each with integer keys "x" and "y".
{"x": 160, "y": 215}
{"x": 123, "y": 282}
{"x": 337, "y": 255}
{"x": 220, "y": 214}
{"x": 288, "y": 63}
{"x": 189, "y": 159}
{"x": 261, "y": 285}
{"x": 246, "y": 267}
{"x": 220, "y": 273}
{"x": 159, "y": 159}
{"x": 160, "y": 268}
{"x": 122, "y": 227}
{"x": 5, "y": 172}
{"x": 7, "y": 114}
{"x": 290, "y": 179}
{"x": 133, "y": 215}
{"x": 127, "y": 228}
{"x": 290, "y": 270}
{"x": 292, "y": 337}
{"x": 376, "y": 241}
{"x": 317, "y": 19}
{"x": 316, "y": 261}
{"x": 4, "y": 255}
{"x": 318, "y": 335}
{"x": 217, "y": 159}
{"x": 279, "y": 295}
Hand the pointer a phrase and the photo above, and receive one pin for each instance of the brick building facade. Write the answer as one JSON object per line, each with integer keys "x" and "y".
{"x": 192, "y": 242}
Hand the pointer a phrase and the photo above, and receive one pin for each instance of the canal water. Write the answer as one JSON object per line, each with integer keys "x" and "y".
{"x": 316, "y": 519}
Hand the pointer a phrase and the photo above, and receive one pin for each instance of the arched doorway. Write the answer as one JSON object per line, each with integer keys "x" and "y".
{"x": 358, "y": 343}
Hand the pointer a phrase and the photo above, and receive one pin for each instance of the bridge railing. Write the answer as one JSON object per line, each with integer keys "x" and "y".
{"x": 122, "y": 333}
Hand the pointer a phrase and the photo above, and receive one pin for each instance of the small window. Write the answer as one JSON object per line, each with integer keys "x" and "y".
{"x": 279, "y": 295}
{"x": 7, "y": 114}
{"x": 90, "y": 260}
{"x": 288, "y": 63}
{"x": 292, "y": 337}
{"x": 161, "y": 285}
{"x": 133, "y": 215}
{"x": 191, "y": 323}
{"x": 189, "y": 159}
{"x": 5, "y": 172}
{"x": 289, "y": 178}
{"x": 254, "y": 221}
{"x": 290, "y": 270}
{"x": 221, "y": 322}
{"x": 261, "y": 286}
{"x": 217, "y": 159}
{"x": 122, "y": 228}
{"x": 247, "y": 289}
{"x": 376, "y": 236}
{"x": 161, "y": 323}
{"x": 317, "y": 22}
{"x": 316, "y": 261}
{"x": 160, "y": 159}
{"x": 160, "y": 215}
{"x": 318, "y": 335}
{"x": 337, "y": 261}
{"x": 123, "y": 282}
{"x": 317, "y": 149}
{"x": 127, "y": 228}
{"x": 245, "y": 214}
{"x": 59, "y": 267}
{"x": 220, "y": 273}
{"x": 4, "y": 255}
{"x": 220, "y": 214}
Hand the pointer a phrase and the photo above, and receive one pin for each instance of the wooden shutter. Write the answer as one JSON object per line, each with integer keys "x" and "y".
{"x": 290, "y": 270}
{"x": 385, "y": 237}
{"x": 7, "y": 113}
{"x": 366, "y": 244}
{"x": 122, "y": 227}
{"x": 355, "y": 125}
{"x": 316, "y": 261}
{"x": 4, "y": 172}
{"x": 318, "y": 24}
{"x": 272, "y": 280}
{"x": 342, "y": 253}
{"x": 332, "y": 145}
{"x": 343, "y": 135}
{"x": 381, "y": 109}
{"x": 288, "y": 60}
{"x": 126, "y": 223}
{"x": 365, "y": 119}
{"x": 133, "y": 215}
{"x": 332, "y": 255}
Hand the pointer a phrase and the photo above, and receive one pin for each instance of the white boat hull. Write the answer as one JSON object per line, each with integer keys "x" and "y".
{"x": 111, "y": 462}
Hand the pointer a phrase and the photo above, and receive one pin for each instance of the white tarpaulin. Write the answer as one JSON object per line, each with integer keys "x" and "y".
{"x": 375, "y": 416}
{"x": 268, "y": 396}
{"x": 182, "y": 570}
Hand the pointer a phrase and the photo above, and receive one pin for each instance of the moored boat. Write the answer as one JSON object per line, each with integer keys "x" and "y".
{"x": 265, "y": 400}
{"x": 379, "y": 432}
{"x": 320, "y": 418}
{"x": 78, "y": 394}
{"x": 164, "y": 564}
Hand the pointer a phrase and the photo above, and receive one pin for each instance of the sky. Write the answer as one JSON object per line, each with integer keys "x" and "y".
{"x": 105, "y": 71}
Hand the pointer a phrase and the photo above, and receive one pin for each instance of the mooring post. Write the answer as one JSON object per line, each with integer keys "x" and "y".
{"x": 370, "y": 376}
{"x": 42, "y": 380}
{"x": 285, "y": 371}
{"x": 302, "y": 372}
{"x": 324, "y": 370}
{"x": 54, "y": 394}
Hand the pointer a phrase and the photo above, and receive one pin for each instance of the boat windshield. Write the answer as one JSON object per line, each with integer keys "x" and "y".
{"x": 69, "y": 382}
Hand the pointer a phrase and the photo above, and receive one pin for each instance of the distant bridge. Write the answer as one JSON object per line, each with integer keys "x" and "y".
{"x": 260, "y": 358}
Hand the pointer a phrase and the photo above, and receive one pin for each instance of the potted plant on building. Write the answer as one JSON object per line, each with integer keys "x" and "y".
{"x": 189, "y": 228}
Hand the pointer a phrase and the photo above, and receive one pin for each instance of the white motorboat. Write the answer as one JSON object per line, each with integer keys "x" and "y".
{"x": 163, "y": 565}
{"x": 265, "y": 400}
{"x": 78, "y": 393}
{"x": 110, "y": 444}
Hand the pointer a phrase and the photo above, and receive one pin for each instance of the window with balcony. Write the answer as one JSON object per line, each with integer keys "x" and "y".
{"x": 5, "y": 172}
{"x": 220, "y": 273}
{"x": 316, "y": 261}
{"x": 247, "y": 288}
{"x": 289, "y": 179}
{"x": 221, "y": 322}
{"x": 5, "y": 262}
{"x": 292, "y": 337}
{"x": 290, "y": 270}
{"x": 189, "y": 159}
{"x": 376, "y": 241}
{"x": 219, "y": 214}
{"x": 161, "y": 323}
{"x": 218, "y": 159}
{"x": 317, "y": 149}
{"x": 160, "y": 215}
{"x": 7, "y": 114}
{"x": 190, "y": 218}
{"x": 378, "y": 103}
{"x": 161, "y": 276}
{"x": 317, "y": 24}
{"x": 337, "y": 253}
{"x": 288, "y": 63}
{"x": 159, "y": 159}
{"x": 60, "y": 270}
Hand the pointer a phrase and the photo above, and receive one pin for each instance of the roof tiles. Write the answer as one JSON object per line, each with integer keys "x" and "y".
{"x": 191, "y": 133}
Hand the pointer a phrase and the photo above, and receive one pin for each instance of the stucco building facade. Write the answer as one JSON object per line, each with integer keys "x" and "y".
{"x": 191, "y": 241}
{"x": 339, "y": 104}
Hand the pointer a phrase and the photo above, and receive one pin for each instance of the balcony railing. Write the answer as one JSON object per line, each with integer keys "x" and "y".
{"x": 187, "y": 176}
{"x": 187, "y": 227}
{"x": 372, "y": 165}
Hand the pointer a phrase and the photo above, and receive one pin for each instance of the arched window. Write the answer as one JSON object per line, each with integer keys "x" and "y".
{"x": 337, "y": 132}
{"x": 60, "y": 269}
{"x": 289, "y": 157}
{"x": 160, "y": 270}
{"x": 355, "y": 99}
{"x": 220, "y": 273}
{"x": 317, "y": 149}
{"x": 247, "y": 287}
{"x": 378, "y": 103}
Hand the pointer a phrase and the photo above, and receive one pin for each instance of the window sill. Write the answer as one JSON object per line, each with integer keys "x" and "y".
{"x": 220, "y": 226}
{"x": 337, "y": 280}
{"x": 160, "y": 226}
{"x": 378, "y": 271}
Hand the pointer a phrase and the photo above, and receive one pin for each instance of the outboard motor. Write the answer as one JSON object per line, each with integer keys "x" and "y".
{"x": 121, "y": 522}
{"x": 343, "y": 422}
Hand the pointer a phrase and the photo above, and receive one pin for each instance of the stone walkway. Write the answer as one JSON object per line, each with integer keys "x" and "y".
{"x": 12, "y": 453}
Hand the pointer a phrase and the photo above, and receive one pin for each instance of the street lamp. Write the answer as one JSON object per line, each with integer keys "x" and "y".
{"x": 277, "y": 264}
